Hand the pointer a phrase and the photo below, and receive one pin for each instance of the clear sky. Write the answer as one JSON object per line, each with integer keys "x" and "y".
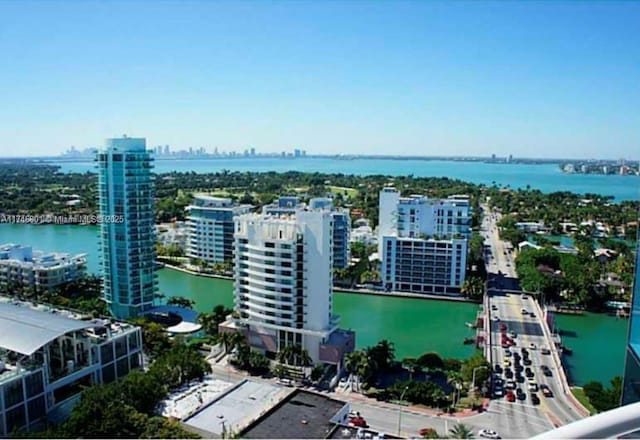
{"x": 536, "y": 79}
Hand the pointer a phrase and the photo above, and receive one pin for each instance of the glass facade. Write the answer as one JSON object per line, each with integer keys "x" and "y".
{"x": 631, "y": 387}
{"x": 127, "y": 229}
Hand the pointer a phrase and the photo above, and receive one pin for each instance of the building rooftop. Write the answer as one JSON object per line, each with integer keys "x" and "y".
{"x": 236, "y": 408}
{"x": 26, "y": 256}
{"x": 25, "y": 327}
{"x": 301, "y": 415}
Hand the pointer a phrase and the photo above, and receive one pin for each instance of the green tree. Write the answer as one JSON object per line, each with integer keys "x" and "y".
{"x": 181, "y": 301}
{"x": 461, "y": 431}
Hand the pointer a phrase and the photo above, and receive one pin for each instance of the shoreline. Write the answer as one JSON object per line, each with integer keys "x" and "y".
{"x": 452, "y": 298}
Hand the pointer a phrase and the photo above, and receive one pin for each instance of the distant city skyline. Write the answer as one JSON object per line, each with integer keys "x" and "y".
{"x": 528, "y": 79}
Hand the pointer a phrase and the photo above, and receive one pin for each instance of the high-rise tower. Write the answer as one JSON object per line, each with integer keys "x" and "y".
{"x": 127, "y": 229}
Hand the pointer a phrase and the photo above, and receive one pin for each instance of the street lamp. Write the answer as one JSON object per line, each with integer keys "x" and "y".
{"x": 473, "y": 376}
{"x": 400, "y": 408}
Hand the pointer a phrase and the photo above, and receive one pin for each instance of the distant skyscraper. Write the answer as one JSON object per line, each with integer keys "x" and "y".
{"x": 126, "y": 200}
{"x": 631, "y": 386}
{"x": 167, "y": 151}
{"x": 252, "y": 151}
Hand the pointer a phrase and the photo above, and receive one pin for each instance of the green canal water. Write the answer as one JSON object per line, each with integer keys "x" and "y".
{"x": 415, "y": 326}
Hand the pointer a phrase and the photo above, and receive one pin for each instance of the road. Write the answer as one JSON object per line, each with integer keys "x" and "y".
{"x": 508, "y": 306}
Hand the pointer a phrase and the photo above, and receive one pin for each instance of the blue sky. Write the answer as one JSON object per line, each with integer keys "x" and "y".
{"x": 536, "y": 79}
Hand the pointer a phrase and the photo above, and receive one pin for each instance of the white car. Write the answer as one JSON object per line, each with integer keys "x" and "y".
{"x": 532, "y": 346}
{"x": 343, "y": 382}
{"x": 533, "y": 386}
{"x": 488, "y": 433}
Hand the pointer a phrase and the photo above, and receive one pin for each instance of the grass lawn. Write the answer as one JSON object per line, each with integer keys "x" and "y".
{"x": 351, "y": 192}
{"x": 582, "y": 398}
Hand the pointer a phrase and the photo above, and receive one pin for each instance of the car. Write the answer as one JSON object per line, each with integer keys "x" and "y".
{"x": 532, "y": 346}
{"x": 513, "y": 334}
{"x": 511, "y": 397}
{"x": 523, "y": 296}
{"x": 497, "y": 368}
{"x": 524, "y": 351}
{"x": 532, "y": 315}
{"x": 343, "y": 382}
{"x": 535, "y": 399}
{"x": 525, "y": 311}
{"x": 488, "y": 433}
{"x": 510, "y": 385}
{"x": 495, "y": 319}
{"x": 517, "y": 356}
{"x": 545, "y": 350}
{"x": 521, "y": 395}
{"x": 526, "y": 361}
{"x": 546, "y": 391}
{"x": 358, "y": 422}
{"x": 508, "y": 373}
{"x": 498, "y": 392}
{"x": 508, "y": 353}
{"x": 503, "y": 327}
{"x": 532, "y": 386}
{"x": 518, "y": 368}
{"x": 520, "y": 378}
{"x": 546, "y": 371}
{"x": 506, "y": 363}
{"x": 529, "y": 373}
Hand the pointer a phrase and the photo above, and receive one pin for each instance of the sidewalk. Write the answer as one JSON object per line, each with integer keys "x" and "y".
{"x": 414, "y": 409}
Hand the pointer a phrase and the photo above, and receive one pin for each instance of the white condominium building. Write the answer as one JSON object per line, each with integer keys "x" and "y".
{"x": 39, "y": 270}
{"x": 423, "y": 242}
{"x": 48, "y": 356}
{"x": 341, "y": 222}
{"x": 210, "y": 225}
{"x": 283, "y": 284}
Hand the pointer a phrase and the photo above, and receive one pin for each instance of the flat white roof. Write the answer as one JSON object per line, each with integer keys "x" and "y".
{"x": 238, "y": 407}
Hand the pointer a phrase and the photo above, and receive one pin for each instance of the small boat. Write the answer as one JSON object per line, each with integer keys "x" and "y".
{"x": 468, "y": 341}
{"x": 470, "y": 325}
{"x": 566, "y": 350}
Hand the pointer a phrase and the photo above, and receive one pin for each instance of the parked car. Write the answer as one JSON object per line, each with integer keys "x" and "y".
{"x": 545, "y": 350}
{"x": 532, "y": 386}
{"x": 546, "y": 391}
{"x": 520, "y": 394}
{"x": 523, "y": 296}
{"x": 526, "y": 361}
{"x": 506, "y": 363}
{"x": 511, "y": 385}
{"x": 507, "y": 352}
{"x": 529, "y": 373}
{"x": 497, "y": 368}
{"x": 513, "y": 334}
{"x": 524, "y": 311}
{"x": 535, "y": 399}
{"x": 488, "y": 433}
{"x": 532, "y": 346}
{"x": 510, "y": 396}
{"x": 546, "y": 371}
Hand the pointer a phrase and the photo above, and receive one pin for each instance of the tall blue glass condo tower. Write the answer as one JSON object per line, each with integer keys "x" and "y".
{"x": 127, "y": 230}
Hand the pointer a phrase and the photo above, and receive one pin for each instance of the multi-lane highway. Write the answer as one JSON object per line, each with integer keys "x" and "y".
{"x": 520, "y": 319}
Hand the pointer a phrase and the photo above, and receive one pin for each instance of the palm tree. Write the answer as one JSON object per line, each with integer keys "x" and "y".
{"x": 461, "y": 431}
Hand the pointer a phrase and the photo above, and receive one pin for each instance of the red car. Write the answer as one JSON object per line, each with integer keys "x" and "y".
{"x": 511, "y": 397}
{"x": 503, "y": 327}
{"x": 358, "y": 422}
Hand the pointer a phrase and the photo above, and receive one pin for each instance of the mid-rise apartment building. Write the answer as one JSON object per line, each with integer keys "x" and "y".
{"x": 39, "y": 270}
{"x": 423, "y": 242}
{"x": 127, "y": 231}
{"x": 341, "y": 222}
{"x": 283, "y": 284}
{"x": 48, "y": 356}
{"x": 210, "y": 227}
